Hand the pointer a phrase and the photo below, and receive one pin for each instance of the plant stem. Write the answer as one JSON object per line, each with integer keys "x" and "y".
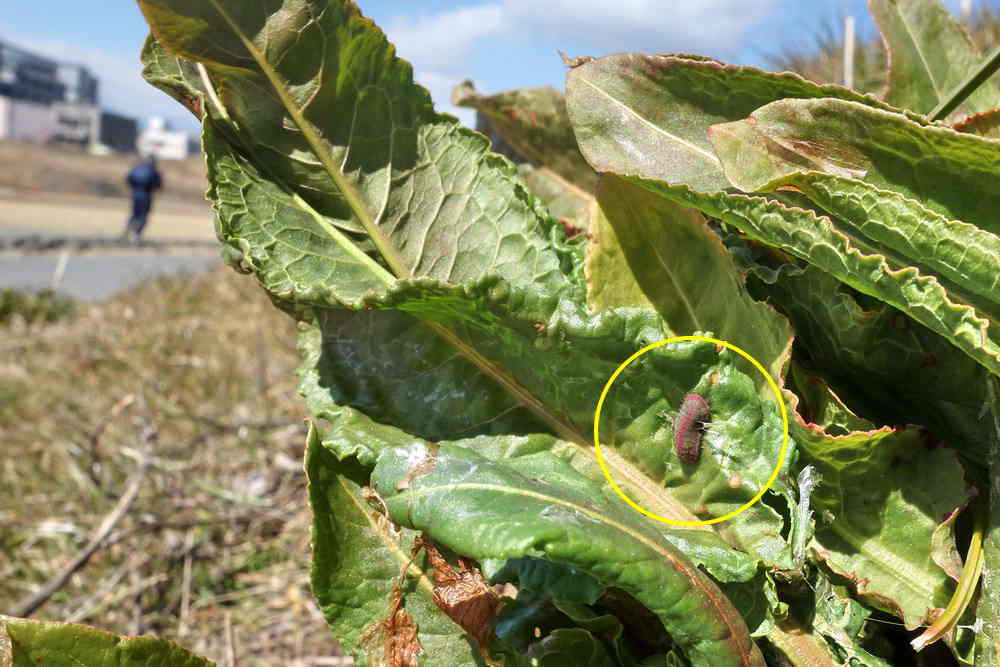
{"x": 990, "y": 65}
{"x": 966, "y": 587}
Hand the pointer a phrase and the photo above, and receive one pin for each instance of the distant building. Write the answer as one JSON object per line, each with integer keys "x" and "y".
{"x": 166, "y": 144}
{"x": 96, "y": 130}
{"x": 26, "y": 121}
{"x": 81, "y": 85}
{"x": 45, "y": 100}
{"x": 29, "y": 77}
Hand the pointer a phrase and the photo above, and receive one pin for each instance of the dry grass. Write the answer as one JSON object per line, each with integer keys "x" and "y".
{"x": 66, "y": 170}
{"x": 214, "y": 552}
{"x": 818, "y": 54}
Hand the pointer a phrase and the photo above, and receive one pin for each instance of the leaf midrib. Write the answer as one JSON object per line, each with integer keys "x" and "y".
{"x": 347, "y": 189}
{"x": 390, "y": 544}
{"x": 887, "y": 560}
{"x": 655, "y": 496}
{"x": 709, "y": 157}
{"x": 920, "y": 54}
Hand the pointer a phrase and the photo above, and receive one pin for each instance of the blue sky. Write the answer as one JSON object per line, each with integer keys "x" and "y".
{"x": 500, "y": 44}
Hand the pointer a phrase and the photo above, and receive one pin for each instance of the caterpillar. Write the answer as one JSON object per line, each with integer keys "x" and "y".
{"x": 689, "y": 426}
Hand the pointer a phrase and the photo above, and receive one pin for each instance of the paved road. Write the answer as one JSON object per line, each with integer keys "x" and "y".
{"x": 96, "y": 275}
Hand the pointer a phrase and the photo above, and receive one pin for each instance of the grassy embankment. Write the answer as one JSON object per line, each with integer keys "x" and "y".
{"x": 214, "y": 552}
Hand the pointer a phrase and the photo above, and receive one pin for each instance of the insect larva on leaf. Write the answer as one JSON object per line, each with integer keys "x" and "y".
{"x": 689, "y": 426}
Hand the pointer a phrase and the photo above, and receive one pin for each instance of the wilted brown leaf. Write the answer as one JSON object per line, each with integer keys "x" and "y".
{"x": 463, "y": 594}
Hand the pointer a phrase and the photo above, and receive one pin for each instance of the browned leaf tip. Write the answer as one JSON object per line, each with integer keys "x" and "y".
{"x": 574, "y": 62}
{"x": 463, "y": 594}
{"x": 393, "y": 641}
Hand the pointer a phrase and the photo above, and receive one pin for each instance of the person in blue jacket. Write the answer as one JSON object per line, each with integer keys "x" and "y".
{"x": 144, "y": 179}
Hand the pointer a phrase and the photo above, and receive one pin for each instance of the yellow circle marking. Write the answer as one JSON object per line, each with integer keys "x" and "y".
{"x": 653, "y": 515}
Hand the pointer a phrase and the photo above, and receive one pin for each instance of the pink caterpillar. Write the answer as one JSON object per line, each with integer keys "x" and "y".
{"x": 689, "y": 426}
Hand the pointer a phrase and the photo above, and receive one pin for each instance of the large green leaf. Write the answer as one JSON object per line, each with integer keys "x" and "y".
{"x": 649, "y": 115}
{"x": 282, "y": 239}
{"x": 952, "y": 173}
{"x": 25, "y": 643}
{"x": 930, "y": 54}
{"x": 539, "y": 506}
{"x": 534, "y": 122}
{"x": 882, "y": 362}
{"x": 358, "y": 556}
{"x": 688, "y": 275}
{"x": 564, "y": 363}
{"x": 610, "y": 281}
{"x": 965, "y": 257}
{"x": 326, "y": 110}
{"x": 353, "y": 437}
{"x": 819, "y": 241}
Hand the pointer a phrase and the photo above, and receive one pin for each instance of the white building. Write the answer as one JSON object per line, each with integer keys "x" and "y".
{"x": 166, "y": 144}
{"x": 26, "y": 121}
{"x": 43, "y": 100}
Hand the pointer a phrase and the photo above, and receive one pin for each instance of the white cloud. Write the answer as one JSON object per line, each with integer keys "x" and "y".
{"x": 712, "y": 27}
{"x": 439, "y": 47}
{"x": 442, "y": 45}
{"x": 121, "y": 87}
{"x": 443, "y": 41}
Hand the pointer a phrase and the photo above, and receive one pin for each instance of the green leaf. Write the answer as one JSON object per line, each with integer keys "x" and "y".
{"x": 648, "y": 115}
{"x": 177, "y": 77}
{"x": 276, "y": 234}
{"x": 689, "y": 276}
{"x": 565, "y": 201}
{"x": 610, "y": 281}
{"x": 552, "y": 579}
{"x": 987, "y": 647}
{"x": 930, "y": 54}
{"x": 881, "y": 498}
{"x": 841, "y": 620}
{"x": 570, "y": 644}
{"x": 758, "y": 603}
{"x": 25, "y": 642}
{"x": 534, "y": 615}
{"x": 326, "y": 110}
{"x": 534, "y": 122}
{"x": 564, "y": 364}
{"x": 358, "y": 556}
{"x": 819, "y": 404}
{"x": 882, "y": 361}
{"x": 352, "y": 434}
{"x": 541, "y": 507}
{"x": 965, "y": 257}
{"x": 952, "y": 173}
{"x": 817, "y": 240}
